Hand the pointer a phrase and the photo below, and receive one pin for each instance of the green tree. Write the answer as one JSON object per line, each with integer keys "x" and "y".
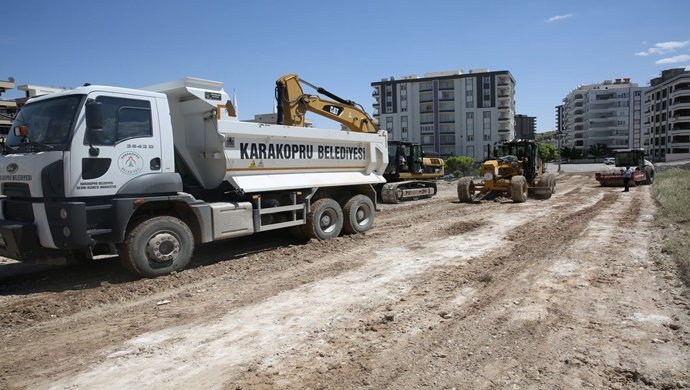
{"x": 548, "y": 152}
{"x": 599, "y": 150}
{"x": 571, "y": 153}
{"x": 459, "y": 165}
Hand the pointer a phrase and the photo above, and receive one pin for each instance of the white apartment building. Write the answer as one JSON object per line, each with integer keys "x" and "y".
{"x": 667, "y": 116}
{"x": 608, "y": 113}
{"x": 451, "y": 113}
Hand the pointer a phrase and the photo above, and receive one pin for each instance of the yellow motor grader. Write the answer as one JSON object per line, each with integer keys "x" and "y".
{"x": 515, "y": 171}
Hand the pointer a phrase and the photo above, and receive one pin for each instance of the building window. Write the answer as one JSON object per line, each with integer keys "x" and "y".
{"x": 426, "y": 128}
{"x": 447, "y": 139}
{"x": 469, "y": 124}
{"x": 389, "y": 125}
{"x": 487, "y": 125}
{"x": 403, "y": 97}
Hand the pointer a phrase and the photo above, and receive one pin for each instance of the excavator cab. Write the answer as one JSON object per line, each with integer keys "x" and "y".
{"x": 404, "y": 158}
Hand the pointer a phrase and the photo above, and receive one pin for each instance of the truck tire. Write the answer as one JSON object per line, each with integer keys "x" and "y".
{"x": 157, "y": 246}
{"x": 518, "y": 189}
{"x": 465, "y": 189}
{"x": 358, "y": 214}
{"x": 649, "y": 171}
{"x": 325, "y": 220}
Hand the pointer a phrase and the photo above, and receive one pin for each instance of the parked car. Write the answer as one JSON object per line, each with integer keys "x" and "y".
{"x": 609, "y": 160}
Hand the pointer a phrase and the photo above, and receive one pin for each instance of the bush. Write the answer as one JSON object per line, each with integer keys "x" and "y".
{"x": 460, "y": 166}
{"x": 671, "y": 191}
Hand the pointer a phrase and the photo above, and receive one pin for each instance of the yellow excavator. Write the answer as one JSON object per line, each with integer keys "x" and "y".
{"x": 293, "y": 103}
{"x": 410, "y": 173}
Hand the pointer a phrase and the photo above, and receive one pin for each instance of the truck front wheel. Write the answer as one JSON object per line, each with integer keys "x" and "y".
{"x": 157, "y": 246}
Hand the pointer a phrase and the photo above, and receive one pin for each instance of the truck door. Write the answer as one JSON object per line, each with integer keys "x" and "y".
{"x": 128, "y": 147}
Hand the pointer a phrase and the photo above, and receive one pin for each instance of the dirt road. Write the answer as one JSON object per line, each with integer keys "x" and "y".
{"x": 570, "y": 292}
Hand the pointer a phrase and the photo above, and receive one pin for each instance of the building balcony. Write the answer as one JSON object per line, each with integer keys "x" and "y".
{"x": 678, "y": 92}
{"x": 503, "y": 93}
{"x": 681, "y": 103}
{"x": 681, "y": 126}
{"x": 376, "y": 92}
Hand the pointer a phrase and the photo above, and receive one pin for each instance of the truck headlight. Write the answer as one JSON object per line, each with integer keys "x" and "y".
{"x": 63, "y": 214}
{"x": 2, "y": 241}
{"x": 488, "y": 176}
{"x": 66, "y": 231}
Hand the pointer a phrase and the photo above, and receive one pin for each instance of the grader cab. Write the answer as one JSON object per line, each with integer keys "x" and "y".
{"x": 516, "y": 171}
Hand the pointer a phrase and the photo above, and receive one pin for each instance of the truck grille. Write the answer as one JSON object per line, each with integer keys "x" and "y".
{"x": 17, "y": 206}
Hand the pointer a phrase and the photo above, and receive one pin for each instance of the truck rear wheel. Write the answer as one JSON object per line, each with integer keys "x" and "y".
{"x": 325, "y": 220}
{"x": 465, "y": 189}
{"x": 518, "y": 189}
{"x": 358, "y": 214}
{"x": 157, "y": 246}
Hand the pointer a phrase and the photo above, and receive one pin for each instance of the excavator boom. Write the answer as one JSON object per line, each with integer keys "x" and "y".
{"x": 293, "y": 104}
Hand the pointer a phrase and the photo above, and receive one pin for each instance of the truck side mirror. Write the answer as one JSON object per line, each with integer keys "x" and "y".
{"x": 94, "y": 124}
{"x": 94, "y": 115}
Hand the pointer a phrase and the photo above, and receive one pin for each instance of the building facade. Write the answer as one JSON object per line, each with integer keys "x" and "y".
{"x": 667, "y": 116}
{"x": 525, "y": 126}
{"x": 8, "y": 108}
{"x": 450, "y": 113}
{"x": 608, "y": 113}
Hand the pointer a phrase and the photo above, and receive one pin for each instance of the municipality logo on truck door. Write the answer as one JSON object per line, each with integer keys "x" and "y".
{"x": 130, "y": 163}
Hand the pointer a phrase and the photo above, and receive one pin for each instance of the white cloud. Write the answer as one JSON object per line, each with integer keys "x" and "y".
{"x": 674, "y": 59}
{"x": 663, "y": 48}
{"x": 559, "y": 17}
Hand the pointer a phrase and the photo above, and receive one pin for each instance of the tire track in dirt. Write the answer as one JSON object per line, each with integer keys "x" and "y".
{"x": 370, "y": 282}
{"x": 448, "y": 294}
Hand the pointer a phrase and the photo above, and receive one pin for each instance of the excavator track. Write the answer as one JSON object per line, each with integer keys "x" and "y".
{"x": 407, "y": 190}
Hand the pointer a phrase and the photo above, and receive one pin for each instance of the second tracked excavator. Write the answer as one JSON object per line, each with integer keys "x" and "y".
{"x": 410, "y": 173}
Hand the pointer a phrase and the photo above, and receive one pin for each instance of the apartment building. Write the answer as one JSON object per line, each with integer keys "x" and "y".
{"x": 608, "y": 113}
{"x": 667, "y": 116}
{"x": 525, "y": 126}
{"x": 451, "y": 113}
{"x": 8, "y": 108}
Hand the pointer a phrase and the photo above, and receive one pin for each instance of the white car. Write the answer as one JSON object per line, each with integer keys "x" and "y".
{"x": 609, "y": 160}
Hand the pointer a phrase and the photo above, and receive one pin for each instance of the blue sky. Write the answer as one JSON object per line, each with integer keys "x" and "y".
{"x": 550, "y": 47}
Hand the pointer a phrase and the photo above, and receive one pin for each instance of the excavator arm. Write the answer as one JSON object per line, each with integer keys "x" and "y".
{"x": 293, "y": 104}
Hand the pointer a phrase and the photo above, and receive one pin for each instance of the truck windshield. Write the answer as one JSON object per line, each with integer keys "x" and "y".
{"x": 47, "y": 123}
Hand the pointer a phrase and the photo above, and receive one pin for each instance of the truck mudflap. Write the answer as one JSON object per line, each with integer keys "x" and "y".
{"x": 407, "y": 190}
{"x": 19, "y": 241}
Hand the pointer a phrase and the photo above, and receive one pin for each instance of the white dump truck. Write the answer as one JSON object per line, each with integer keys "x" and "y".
{"x": 148, "y": 173}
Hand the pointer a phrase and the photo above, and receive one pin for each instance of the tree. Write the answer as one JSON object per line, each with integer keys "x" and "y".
{"x": 599, "y": 150}
{"x": 459, "y": 165}
{"x": 548, "y": 152}
{"x": 571, "y": 153}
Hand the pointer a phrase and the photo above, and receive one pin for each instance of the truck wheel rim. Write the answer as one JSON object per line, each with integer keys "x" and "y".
{"x": 327, "y": 221}
{"x": 162, "y": 247}
{"x": 362, "y": 215}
